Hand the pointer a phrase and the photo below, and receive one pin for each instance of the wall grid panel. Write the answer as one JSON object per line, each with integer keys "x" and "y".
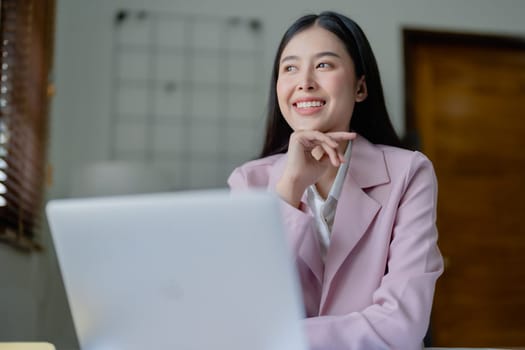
{"x": 187, "y": 93}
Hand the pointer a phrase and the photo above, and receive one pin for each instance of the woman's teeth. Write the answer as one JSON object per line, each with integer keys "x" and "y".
{"x": 308, "y": 104}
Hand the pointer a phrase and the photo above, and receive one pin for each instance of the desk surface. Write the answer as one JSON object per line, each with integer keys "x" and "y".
{"x": 26, "y": 346}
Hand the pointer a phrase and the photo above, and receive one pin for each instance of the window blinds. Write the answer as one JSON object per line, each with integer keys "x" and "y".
{"x": 25, "y": 61}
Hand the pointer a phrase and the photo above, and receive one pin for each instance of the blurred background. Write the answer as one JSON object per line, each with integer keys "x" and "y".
{"x": 106, "y": 97}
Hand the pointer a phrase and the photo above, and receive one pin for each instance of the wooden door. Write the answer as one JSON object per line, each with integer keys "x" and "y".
{"x": 466, "y": 101}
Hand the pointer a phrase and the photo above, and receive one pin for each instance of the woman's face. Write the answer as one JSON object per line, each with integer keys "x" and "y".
{"x": 317, "y": 86}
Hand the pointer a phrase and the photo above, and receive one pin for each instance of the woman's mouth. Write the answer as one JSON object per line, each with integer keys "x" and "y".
{"x": 308, "y": 104}
{"x": 308, "y": 107}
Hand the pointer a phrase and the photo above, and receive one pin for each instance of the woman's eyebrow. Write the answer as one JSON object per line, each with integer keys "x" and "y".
{"x": 326, "y": 53}
{"x": 317, "y": 55}
{"x": 289, "y": 58}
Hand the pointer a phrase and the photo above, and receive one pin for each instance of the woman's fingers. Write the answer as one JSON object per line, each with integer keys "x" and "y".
{"x": 311, "y": 138}
{"x": 321, "y": 150}
{"x": 341, "y": 135}
{"x": 332, "y": 153}
{"x": 331, "y": 138}
{"x": 317, "y": 152}
{"x": 319, "y": 144}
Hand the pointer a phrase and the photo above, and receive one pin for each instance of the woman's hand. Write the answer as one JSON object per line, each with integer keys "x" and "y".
{"x": 310, "y": 155}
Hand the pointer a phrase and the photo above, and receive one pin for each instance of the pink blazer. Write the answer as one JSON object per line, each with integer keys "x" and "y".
{"x": 375, "y": 289}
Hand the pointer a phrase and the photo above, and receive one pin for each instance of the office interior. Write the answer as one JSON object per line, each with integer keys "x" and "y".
{"x": 169, "y": 95}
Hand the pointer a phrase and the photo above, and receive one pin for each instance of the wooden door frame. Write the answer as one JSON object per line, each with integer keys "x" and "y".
{"x": 412, "y": 37}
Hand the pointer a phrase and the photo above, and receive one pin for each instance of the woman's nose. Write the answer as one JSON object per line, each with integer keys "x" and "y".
{"x": 306, "y": 82}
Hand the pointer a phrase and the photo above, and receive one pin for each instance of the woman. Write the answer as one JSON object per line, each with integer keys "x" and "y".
{"x": 360, "y": 211}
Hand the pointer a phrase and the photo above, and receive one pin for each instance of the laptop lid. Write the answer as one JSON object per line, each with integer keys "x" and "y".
{"x": 187, "y": 270}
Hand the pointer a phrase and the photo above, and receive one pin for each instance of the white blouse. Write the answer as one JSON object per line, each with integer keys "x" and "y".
{"x": 324, "y": 210}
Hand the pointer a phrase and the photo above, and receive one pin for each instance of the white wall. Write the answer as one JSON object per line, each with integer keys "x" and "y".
{"x": 79, "y": 129}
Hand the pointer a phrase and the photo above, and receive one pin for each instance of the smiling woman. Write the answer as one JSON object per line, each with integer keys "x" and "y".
{"x": 26, "y": 49}
{"x": 360, "y": 212}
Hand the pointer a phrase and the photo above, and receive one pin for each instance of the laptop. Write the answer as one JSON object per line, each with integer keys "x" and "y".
{"x": 189, "y": 271}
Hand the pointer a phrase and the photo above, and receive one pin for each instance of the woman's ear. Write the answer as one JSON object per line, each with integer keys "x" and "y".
{"x": 362, "y": 91}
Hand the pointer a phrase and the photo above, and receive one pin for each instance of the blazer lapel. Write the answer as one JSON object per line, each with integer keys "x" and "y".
{"x": 355, "y": 210}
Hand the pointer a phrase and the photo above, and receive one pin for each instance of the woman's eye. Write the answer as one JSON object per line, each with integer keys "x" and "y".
{"x": 290, "y": 68}
{"x": 324, "y": 65}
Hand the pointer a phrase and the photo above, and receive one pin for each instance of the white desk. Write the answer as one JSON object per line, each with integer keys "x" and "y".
{"x": 26, "y": 346}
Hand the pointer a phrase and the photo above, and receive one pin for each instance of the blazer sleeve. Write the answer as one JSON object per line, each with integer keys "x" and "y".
{"x": 399, "y": 314}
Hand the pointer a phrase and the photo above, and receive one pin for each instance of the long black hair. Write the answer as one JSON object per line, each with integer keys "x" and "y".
{"x": 370, "y": 117}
